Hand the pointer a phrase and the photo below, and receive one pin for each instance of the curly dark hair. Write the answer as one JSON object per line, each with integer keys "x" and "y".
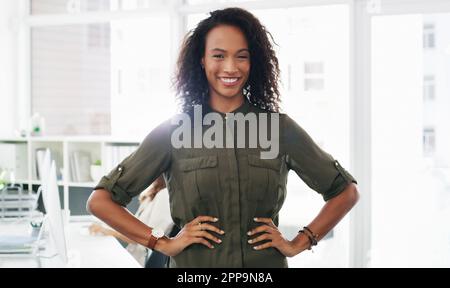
{"x": 261, "y": 88}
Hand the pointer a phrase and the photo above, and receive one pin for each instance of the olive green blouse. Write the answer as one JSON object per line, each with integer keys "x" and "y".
{"x": 232, "y": 184}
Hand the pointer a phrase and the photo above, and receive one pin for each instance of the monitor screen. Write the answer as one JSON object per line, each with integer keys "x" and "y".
{"x": 52, "y": 204}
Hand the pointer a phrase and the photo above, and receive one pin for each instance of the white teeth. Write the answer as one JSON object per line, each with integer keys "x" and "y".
{"x": 229, "y": 80}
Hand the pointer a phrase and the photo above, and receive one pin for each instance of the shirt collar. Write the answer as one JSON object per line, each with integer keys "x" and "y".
{"x": 244, "y": 108}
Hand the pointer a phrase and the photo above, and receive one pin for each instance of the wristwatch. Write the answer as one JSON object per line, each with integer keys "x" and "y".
{"x": 154, "y": 236}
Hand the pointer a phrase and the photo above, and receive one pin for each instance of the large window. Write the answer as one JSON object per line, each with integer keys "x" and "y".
{"x": 410, "y": 140}
{"x": 141, "y": 75}
{"x": 111, "y": 77}
{"x": 70, "y": 84}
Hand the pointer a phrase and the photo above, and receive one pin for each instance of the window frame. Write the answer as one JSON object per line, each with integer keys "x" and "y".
{"x": 429, "y": 38}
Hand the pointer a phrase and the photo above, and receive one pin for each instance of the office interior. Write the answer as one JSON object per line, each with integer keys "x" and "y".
{"x": 369, "y": 80}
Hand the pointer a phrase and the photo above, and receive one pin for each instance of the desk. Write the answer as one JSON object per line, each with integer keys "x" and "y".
{"x": 84, "y": 250}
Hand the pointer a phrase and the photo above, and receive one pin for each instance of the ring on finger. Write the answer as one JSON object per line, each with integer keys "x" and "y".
{"x": 200, "y": 226}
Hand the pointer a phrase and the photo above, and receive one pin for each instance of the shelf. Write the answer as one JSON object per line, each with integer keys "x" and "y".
{"x": 38, "y": 182}
{"x": 61, "y": 183}
{"x": 21, "y": 181}
{"x": 83, "y": 184}
{"x": 109, "y": 150}
{"x": 84, "y": 218}
{"x": 13, "y": 140}
{"x": 16, "y": 195}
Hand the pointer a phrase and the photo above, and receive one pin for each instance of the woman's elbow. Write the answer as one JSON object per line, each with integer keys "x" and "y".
{"x": 95, "y": 201}
{"x": 90, "y": 204}
{"x": 352, "y": 194}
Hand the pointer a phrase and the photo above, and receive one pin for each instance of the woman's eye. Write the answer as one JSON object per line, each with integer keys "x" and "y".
{"x": 218, "y": 56}
{"x": 243, "y": 57}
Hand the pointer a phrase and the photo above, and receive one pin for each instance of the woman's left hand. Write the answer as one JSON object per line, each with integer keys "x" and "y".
{"x": 270, "y": 232}
{"x": 96, "y": 229}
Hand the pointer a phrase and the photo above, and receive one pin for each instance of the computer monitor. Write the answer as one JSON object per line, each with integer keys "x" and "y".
{"x": 45, "y": 170}
{"x": 50, "y": 193}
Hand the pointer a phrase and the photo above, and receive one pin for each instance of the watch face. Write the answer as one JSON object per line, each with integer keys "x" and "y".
{"x": 157, "y": 233}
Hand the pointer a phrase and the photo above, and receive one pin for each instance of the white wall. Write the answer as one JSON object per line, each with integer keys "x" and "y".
{"x": 8, "y": 66}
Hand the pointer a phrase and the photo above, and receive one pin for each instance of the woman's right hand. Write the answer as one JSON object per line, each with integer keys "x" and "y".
{"x": 196, "y": 231}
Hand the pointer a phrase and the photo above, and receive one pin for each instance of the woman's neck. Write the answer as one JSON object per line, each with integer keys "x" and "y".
{"x": 225, "y": 105}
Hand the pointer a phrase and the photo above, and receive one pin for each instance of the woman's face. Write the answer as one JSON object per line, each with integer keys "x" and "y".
{"x": 226, "y": 61}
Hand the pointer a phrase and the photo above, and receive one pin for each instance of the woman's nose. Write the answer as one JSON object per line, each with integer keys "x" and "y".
{"x": 230, "y": 66}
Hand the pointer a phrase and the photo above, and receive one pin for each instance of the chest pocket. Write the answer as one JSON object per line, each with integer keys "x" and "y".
{"x": 264, "y": 177}
{"x": 201, "y": 184}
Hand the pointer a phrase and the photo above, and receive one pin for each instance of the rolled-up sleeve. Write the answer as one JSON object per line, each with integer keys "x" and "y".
{"x": 138, "y": 170}
{"x": 318, "y": 169}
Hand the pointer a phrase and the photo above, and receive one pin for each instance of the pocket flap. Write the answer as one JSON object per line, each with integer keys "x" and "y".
{"x": 198, "y": 163}
{"x": 255, "y": 160}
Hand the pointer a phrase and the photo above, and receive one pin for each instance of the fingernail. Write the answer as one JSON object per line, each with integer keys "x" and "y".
{"x": 249, "y": 241}
{"x": 256, "y": 219}
{"x": 249, "y": 233}
{"x": 212, "y": 246}
{"x": 256, "y": 247}
{"x": 222, "y": 232}
{"x": 216, "y": 219}
{"x": 220, "y": 241}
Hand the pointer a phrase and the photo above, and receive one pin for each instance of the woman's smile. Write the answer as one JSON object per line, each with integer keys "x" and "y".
{"x": 230, "y": 81}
